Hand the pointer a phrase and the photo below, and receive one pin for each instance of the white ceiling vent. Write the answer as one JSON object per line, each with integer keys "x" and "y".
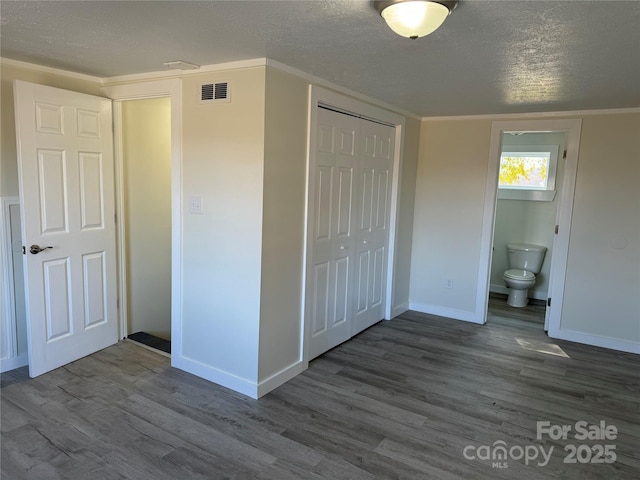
{"x": 215, "y": 93}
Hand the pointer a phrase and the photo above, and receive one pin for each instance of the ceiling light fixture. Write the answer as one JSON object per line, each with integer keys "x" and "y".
{"x": 415, "y": 18}
{"x": 181, "y": 65}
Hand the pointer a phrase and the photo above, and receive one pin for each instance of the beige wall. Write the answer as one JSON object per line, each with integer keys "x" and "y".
{"x": 146, "y": 139}
{"x": 602, "y": 290}
{"x": 8, "y": 156}
{"x": 450, "y": 185}
{"x": 603, "y": 270}
{"x": 404, "y": 237}
{"x": 223, "y": 161}
{"x": 285, "y": 159}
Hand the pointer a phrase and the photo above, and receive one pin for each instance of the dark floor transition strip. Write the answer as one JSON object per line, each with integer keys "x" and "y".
{"x": 151, "y": 341}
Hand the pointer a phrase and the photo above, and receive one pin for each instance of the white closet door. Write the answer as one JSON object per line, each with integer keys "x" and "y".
{"x": 372, "y": 231}
{"x": 351, "y": 189}
{"x": 331, "y": 276}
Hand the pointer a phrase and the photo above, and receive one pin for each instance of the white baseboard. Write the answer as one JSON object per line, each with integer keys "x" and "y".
{"x": 12, "y": 363}
{"x": 399, "y": 309}
{"x": 225, "y": 379}
{"x": 463, "y": 315}
{"x": 235, "y": 383}
{"x": 596, "y": 340}
{"x": 283, "y": 376}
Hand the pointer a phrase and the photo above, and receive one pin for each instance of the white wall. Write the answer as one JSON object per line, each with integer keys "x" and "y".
{"x": 601, "y": 298}
{"x": 404, "y": 237}
{"x": 285, "y": 159}
{"x": 450, "y": 185}
{"x": 146, "y": 142}
{"x": 223, "y": 162}
{"x": 602, "y": 290}
{"x": 527, "y": 221}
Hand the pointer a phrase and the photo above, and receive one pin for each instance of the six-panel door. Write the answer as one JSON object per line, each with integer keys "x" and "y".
{"x": 65, "y": 160}
{"x": 351, "y": 193}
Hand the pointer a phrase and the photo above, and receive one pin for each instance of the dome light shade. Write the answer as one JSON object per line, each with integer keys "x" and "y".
{"x": 415, "y": 18}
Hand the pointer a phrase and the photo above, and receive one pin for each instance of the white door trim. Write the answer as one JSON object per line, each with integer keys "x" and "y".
{"x": 319, "y": 95}
{"x": 572, "y": 127}
{"x": 7, "y": 293}
{"x": 171, "y": 88}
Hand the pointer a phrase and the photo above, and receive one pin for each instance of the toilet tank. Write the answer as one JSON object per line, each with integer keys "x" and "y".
{"x": 526, "y": 256}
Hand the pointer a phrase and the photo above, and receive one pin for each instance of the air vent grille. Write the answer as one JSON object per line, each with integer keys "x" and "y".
{"x": 215, "y": 92}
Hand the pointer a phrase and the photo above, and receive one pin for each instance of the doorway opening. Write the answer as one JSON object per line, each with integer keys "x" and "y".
{"x": 171, "y": 91}
{"x": 146, "y": 220}
{"x": 557, "y": 236}
{"x": 529, "y": 179}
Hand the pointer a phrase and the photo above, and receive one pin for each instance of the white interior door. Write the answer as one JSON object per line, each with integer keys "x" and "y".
{"x": 374, "y": 186}
{"x": 351, "y": 189}
{"x": 332, "y": 233}
{"x": 65, "y": 161}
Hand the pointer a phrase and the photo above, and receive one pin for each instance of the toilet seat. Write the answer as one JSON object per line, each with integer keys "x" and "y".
{"x": 517, "y": 274}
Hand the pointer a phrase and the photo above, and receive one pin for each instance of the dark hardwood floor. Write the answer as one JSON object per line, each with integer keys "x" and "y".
{"x": 406, "y": 399}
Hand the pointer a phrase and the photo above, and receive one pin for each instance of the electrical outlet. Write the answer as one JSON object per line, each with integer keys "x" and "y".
{"x": 195, "y": 205}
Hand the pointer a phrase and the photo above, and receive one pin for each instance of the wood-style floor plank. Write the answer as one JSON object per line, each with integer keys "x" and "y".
{"x": 402, "y": 400}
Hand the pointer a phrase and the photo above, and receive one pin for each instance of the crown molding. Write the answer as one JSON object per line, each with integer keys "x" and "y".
{"x": 163, "y": 74}
{"x": 516, "y": 116}
{"x": 9, "y": 62}
{"x": 260, "y": 62}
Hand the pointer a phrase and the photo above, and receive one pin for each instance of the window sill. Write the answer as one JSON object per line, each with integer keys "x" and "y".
{"x": 531, "y": 195}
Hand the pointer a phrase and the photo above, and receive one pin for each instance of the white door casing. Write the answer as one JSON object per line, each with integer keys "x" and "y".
{"x": 170, "y": 88}
{"x": 66, "y": 178}
{"x": 349, "y": 227}
{"x": 557, "y": 273}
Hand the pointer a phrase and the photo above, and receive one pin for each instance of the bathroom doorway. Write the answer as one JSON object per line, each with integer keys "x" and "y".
{"x": 564, "y": 187}
{"x": 529, "y": 180}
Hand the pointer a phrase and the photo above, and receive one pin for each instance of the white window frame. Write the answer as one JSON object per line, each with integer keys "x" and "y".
{"x": 531, "y": 193}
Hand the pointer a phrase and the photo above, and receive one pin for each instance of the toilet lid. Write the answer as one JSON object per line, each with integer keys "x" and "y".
{"x": 519, "y": 274}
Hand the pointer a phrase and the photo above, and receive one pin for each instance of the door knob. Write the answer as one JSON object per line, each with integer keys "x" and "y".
{"x": 35, "y": 249}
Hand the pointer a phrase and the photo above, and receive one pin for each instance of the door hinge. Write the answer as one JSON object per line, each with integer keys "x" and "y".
{"x": 24, "y": 250}
{"x": 556, "y": 229}
{"x": 564, "y": 155}
{"x": 549, "y": 302}
{"x": 115, "y": 218}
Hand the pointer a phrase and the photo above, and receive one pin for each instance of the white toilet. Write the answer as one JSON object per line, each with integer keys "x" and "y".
{"x": 525, "y": 260}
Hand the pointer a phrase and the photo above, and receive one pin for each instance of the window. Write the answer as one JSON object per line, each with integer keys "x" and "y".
{"x": 528, "y": 172}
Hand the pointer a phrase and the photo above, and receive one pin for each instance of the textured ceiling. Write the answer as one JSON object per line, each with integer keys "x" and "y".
{"x": 488, "y": 57}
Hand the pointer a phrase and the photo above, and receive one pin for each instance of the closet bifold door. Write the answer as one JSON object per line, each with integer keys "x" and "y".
{"x": 375, "y": 164}
{"x": 333, "y": 240}
{"x": 351, "y": 191}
